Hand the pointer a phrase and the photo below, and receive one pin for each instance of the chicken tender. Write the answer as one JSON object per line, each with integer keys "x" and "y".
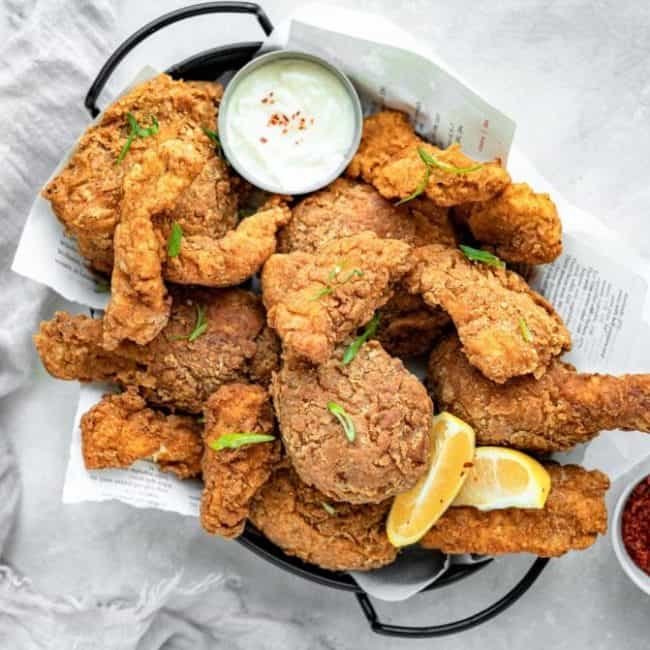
{"x": 553, "y": 413}
{"x": 316, "y": 300}
{"x": 87, "y": 195}
{"x": 232, "y": 477}
{"x": 171, "y": 371}
{"x": 347, "y": 208}
{"x": 388, "y": 159}
{"x": 232, "y": 259}
{"x": 388, "y": 408}
{"x": 574, "y": 515}
{"x": 139, "y": 305}
{"x": 122, "y": 429}
{"x": 335, "y": 536}
{"x": 518, "y": 225}
{"x": 505, "y": 327}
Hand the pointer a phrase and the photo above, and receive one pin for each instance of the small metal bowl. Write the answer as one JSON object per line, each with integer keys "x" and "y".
{"x": 265, "y": 59}
{"x": 634, "y": 573}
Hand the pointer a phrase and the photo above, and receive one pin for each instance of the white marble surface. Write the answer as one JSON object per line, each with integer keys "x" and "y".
{"x": 575, "y": 75}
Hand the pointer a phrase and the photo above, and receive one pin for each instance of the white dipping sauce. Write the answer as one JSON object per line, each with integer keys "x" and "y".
{"x": 289, "y": 124}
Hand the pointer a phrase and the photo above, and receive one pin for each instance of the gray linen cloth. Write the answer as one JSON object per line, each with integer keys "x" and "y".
{"x": 46, "y": 66}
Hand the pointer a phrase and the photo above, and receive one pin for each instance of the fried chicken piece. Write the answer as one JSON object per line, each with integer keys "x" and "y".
{"x": 232, "y": 477}
{"x": 347, "y": 208}
{"x": 316, "y": 300}
{"x": 389, "y": 410}
{"x": 518, "y": 225}
{"x": 87, "y": 195}
{"x": 139, "y": 305}
{"x": 388, "y": 158}
{"x": 407, "y": 327}
{"x": 553, "y": 413}
{"x": 574, "y": 515}
{"x": 335, "y": 536}
{"x": 232, "y": 259}
{"x": 172, "y": 371}
{"x": 122, "y": 429}
{"x": 506, "y": 328}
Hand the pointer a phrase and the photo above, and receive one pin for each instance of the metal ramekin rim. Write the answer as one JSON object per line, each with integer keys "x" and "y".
{"x": 265, "y": 59}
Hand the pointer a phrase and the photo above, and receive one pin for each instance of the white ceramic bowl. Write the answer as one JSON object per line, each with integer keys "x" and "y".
{"x": 638, "y": 577}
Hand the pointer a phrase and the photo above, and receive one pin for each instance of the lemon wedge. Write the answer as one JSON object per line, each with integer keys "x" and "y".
{"x": 450, "y": 456}
{"x": 504, "y": 478}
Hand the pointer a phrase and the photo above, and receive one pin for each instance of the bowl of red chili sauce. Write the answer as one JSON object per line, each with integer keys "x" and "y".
{"x": 631, "y": 531}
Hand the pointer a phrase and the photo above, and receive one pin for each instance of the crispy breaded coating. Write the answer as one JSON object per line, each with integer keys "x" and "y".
{"x": 389, "y": 409}
{"x": 305, "y": 523}
{"x": 505, "y": 327}
{"x": 388, "y": 159}
{"x": 232, "y": 477}
{"x": 139, "y": 305}
{"x": 316, "y": 300}
{"x": 171, "y": 370}
{"x": 232, "y": 259}
{"x": 553, "y": 413}
{"x": 347, "y": 208}
{"x": 574, "y": 515}
{"x": 408, "y": 327}
{"x": 87, "y": 195}
{"x": 518, "y": 225}
{"x": 122, "y": 429}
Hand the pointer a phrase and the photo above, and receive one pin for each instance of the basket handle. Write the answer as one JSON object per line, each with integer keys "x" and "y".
{"x": 456, "y": 626}
{"x": 167, "y": 19}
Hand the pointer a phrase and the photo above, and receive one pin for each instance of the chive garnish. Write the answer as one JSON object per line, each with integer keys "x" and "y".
{"x": 136, "y": 131}
{"x": 328, "y": 508}
{"x": 174, "y": 241}
{"x": 102, "y": 286}
{"x": 214, "y": 136}
{"x": 525, "y": 331}
{"x": 477, "y": 255}
{"x": 340, "y": 414}
{"x": 430, "y": 162}
{"x": 200, "y": 326}
{"x": 236, "y": 440}
{"x": 333, "y": 275}
{"x": 355, "y": 346}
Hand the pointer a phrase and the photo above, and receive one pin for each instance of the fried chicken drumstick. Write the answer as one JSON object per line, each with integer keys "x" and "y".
{"x": 574, "y": 515}
{"x": 388, "y": 159}
{"x": 389, "y": 411}
{"x": 553, "y": 413}
{"x": 232, "y": 477}
{"x": 505, "y": 327}
{"x": 305, "y": 523}
{"x": 122, "y": 429}
{"x": 234, "y": 346}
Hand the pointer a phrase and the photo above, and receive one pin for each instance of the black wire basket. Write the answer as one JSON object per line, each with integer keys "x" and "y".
{"x": 209, "y": 65}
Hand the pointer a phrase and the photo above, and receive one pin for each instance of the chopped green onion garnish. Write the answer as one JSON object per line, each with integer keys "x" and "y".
{"x": 431, "y": 161}
{"x": 339, "y": 413}
{"x": 476, "y": 255}
{"x": 235, "y": 440}
{"x": 421, "y": 186}
{"x": 332, "y": 275}
{"x": 525, "y": 331}
{"x": 213, "y": 135}
{"x": 201, "y": 419}
{"x": 355, "y": 346}
{"x": 328, "y": 508}
{"x": 136, "y": 131}
{"x": 174, "y": 242}
{"x": 325, "y": 291}
{"x": 201, "y": 324}
{"x": 354, "y": 273}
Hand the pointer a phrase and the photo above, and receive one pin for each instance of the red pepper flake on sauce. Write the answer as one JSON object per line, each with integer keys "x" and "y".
{"x": 636, "y": 525}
